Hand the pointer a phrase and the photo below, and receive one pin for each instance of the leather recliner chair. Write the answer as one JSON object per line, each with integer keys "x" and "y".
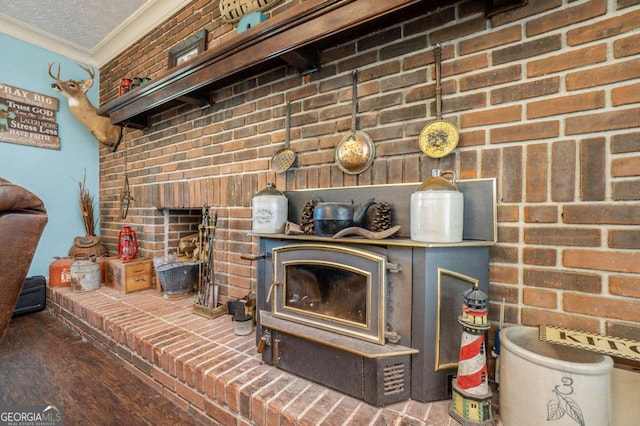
{"x": 22, "y": 220}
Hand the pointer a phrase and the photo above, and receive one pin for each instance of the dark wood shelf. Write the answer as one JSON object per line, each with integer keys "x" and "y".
{"x": 292, "y": 37}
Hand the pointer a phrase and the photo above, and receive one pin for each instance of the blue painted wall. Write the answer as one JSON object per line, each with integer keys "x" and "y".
{"x": 50, "y": 174}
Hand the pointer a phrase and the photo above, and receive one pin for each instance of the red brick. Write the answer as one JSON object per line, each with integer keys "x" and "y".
{"x": 503, "y": 274}
{"x": 539, "y": 256}
{"x": 562, "y": 236}
{"x": 540, "y": 298}
{"x": 508, "y": 234}
{"x": 191, "y": 395}
{"x": 525, "y": 132}
{"x": 625, "y": 167}
{"x": 626, "y": 190}
{"x": 537, "y": 317}
{"x": 604, "y": 260}
{"x": 464, "y": 65}
{"x": 492, "y": 77}
{"x": 279, "y": 403}
{"x": 593, "y": 169}
{"x": 321, "y": 409}
{"x": 261, "y": 399}
{"x": 604, "y": 29}
{"x": 624, "y": 239}
{"x": 525, "y": 50}
{"x": 504, "y": 254}
{"x": 567, "y": 16}
{"x": 601, "y": 214}
{"x": 494, "y": 116}
{"x": 623, "y": 285}
{"x": 230, "y": 383}
{"x": 565, "y": 104}
{"x": 562, "y": 280}
{"x": 453, "y": 32}
{"x": 607, "y": 74}
{"x": 625, "y": 95}
{"x": 602, "y": 307}
{"x": 508, "y": 213}
{"x": 537, "y": 88}
{"x": 489, "y": 41}
{"x": 627, "y": 46}
{"x": 536, "y": 172}
{"x": 563, "y": 165}
{"x": 605, "y": 121}
{"x": 219, "y": 412}
{"x": 541, "y": 214}
{"x": 621, "y": 329}
{"x": 531, "y": 8}
{"x": 472, "y": 138}
{"x": 428, "y": 22}
{"x": 512, "y": 174}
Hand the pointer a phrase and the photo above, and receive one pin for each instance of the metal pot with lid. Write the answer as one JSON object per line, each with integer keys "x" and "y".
{"x": 332, "y": 217}
{"x": 269, "y": 210}
{"x": 437, "y": 210}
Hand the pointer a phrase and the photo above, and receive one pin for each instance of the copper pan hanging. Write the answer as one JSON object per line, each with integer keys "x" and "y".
{"x": 355, "y": 151}
{"x": 440, "y": 137}
{"x": 284, "y": 158}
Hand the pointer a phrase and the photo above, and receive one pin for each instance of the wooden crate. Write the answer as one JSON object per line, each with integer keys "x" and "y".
{"x": 128, "y": 276}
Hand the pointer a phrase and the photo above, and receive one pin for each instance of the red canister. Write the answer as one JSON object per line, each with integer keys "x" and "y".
{"x": 60, "y": 272}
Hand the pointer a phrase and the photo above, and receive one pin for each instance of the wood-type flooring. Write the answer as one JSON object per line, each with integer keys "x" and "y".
{"x": 44, "y": 362}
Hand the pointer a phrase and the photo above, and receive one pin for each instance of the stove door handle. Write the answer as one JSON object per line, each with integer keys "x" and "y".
{"x": 394, "y": 267}
{"x": 273, "y": 284}
{"x": 255, "y": 256}
{"x": 276, "y": 351}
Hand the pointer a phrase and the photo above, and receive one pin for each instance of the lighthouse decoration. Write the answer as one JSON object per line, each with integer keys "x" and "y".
{"x": 471, "y": 395}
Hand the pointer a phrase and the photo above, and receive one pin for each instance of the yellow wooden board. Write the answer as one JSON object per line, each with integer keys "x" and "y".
{"x": 614, "y": 346}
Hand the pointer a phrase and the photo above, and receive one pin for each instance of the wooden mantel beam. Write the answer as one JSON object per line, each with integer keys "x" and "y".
{"x": 286, "y": 37}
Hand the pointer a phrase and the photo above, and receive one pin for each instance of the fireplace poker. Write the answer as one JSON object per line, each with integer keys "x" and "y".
{"x": 213, "y": 296}
{"x": 203, "y": 281}
{"x": 205, "y": 293}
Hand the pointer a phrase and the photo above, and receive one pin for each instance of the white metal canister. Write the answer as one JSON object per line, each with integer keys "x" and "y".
{"x": 437, "y": 210}
{"x": 270, "y": 210}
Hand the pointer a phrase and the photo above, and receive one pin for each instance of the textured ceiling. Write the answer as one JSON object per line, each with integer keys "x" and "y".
{"x": 89, "y": 30}
{"x": 83, "y": 22}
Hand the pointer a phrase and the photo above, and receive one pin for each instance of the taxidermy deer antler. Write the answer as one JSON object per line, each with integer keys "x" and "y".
{"x": 75, "y": 90}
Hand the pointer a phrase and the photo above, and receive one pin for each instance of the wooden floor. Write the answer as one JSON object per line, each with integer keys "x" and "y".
{"x": 43, "y": 362}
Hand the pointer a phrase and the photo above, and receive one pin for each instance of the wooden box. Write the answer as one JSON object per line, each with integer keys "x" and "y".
{"x": 128, "y": 276}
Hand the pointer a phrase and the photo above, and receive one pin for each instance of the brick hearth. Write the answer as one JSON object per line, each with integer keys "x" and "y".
{"x": 212, "y": 373}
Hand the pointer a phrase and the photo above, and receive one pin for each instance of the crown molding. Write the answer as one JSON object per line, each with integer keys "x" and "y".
{"x": 144, "y": 20}
{"x": 45, "y": 40}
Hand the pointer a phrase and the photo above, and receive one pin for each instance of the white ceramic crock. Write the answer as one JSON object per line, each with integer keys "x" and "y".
{"x": 437, "y": 210}
{"x": 269, "y": 209}
{"x": 544, "y": 383}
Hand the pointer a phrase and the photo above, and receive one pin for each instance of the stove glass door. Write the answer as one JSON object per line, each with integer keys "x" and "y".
{"x": 331, "y": 287}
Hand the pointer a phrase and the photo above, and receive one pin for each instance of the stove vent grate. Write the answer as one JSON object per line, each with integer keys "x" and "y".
{"x": 394, "y": 378}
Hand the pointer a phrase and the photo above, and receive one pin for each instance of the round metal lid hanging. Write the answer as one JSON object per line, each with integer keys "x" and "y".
{"x": 438, "y": 138}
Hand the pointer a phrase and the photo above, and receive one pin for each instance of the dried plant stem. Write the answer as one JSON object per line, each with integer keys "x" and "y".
{"x": 86, "y": 207}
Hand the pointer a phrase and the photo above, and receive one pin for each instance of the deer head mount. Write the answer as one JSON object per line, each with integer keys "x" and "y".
{"x": 75, "y": 90}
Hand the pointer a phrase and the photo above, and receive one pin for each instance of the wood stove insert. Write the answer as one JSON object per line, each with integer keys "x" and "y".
{"x": 371, "y": 318}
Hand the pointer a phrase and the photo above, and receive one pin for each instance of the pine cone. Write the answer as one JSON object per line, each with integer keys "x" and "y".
{"x": 381, "y": 220}
{"x": 306, "y": 218}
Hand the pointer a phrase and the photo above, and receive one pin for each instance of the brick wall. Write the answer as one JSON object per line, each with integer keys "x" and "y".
{"x": 547, "y": 99}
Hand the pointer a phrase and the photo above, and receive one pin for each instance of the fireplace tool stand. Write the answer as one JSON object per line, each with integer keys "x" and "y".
{"x": 208, "y": 291}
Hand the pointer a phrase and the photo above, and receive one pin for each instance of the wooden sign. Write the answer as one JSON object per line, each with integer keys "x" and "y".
{"x": 615, "y": 346}
{"x": 28, "y": 118}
